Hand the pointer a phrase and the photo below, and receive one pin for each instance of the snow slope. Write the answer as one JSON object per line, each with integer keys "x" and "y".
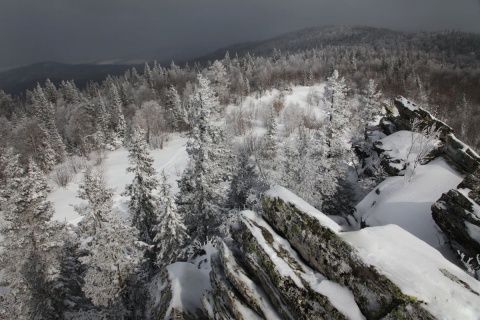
{"x": 420, "y": 271}
{"x": 172, "y": 158}
{"x": 408, "y": 203}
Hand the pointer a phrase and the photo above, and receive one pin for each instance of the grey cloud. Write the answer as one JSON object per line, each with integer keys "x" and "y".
{"x": 76, "y": 31}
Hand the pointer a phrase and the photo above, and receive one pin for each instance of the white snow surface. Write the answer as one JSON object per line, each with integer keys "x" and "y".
{"x": 172, "y": 158}
{"x": 408, "y": 204}
{"x": 419, "y": 271}
{"x": 190, "y": 282}
{"x": 289, "y": 197}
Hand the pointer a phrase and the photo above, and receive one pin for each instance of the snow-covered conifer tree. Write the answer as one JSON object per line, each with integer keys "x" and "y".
{"x": 115, "y": 255}
{"x": 114, "y": 251}
{"x": 44, "y": 112}
{"x": 246, "y": 185}
{"x": 219, "y": 80}
{"x": 147, "y": 73}
{"x": 117, "y": 119}
{"x": 371, "y": 101}
{"x": 10, "y": 173}
{"x": 144, "y": 203}
{"x": 51, "y": 92}
{"x": 336, "y": 101}
{"x": 173, "y": 106}
{"x": 270, "y": 151}
{"x": 202, "y": 192}
{"x": 31, "y": 245}
{"x": 171, "y": 233}
{"x": 99, "y": 201}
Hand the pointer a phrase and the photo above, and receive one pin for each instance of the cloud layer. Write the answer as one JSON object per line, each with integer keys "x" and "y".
{"x": 75, "y": 31}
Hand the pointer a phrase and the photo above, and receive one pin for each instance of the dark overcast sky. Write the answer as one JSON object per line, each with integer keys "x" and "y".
{"x": 76, "y": 31}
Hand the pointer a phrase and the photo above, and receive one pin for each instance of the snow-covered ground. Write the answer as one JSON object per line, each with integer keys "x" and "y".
{"x": 172, "y": 158}
{"x": 400, "y": 242}
{"x": 408, "y": 203}
{"x": 419, "y": 271}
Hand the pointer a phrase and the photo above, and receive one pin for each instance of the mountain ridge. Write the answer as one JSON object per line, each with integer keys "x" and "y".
{"x": 454, "y": 48}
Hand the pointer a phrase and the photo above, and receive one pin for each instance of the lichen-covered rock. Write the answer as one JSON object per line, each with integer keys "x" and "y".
{"x": 409, "y": 310}
{"x": 226, "y": 301}
{"x": 392, "y": 166}
{"x": 460, "y": 155}
{"x": 245, "y": 283}
{"x": 387, "y": 126}
{"x": 472, "y": 182}
{"x": 457, "y": 213}
{"x": 280, "y": 273}
{"x": 159, "y": 298}
{"x": 409, "y": 111}
{"x": 320, "y": 246}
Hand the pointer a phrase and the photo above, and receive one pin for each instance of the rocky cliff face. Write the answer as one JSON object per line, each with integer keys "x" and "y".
{"x": 457, "y": 212}
{"x": 456, "y": 152}
{"x": 291, "y": 264}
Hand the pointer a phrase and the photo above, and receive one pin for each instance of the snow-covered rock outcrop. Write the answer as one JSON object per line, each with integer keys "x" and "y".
{"x": 456, "y": 152}
{"x": 457, "y": 213}
{"x": 293, "y": 262}
{"x": 318, "y": 240}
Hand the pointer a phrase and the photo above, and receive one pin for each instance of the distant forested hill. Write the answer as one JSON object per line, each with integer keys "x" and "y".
{"x": 18, "y": 80}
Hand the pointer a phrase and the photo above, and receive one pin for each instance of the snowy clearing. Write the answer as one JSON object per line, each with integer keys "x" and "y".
{"x": 172, "y": 158}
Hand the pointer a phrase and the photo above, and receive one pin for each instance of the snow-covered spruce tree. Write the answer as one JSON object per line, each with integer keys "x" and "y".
{"x": 336, "y": 103}
{"x": 99, "y": 202}
{"x": 371, "y": 102}
{"x": 115, "y": 255}
{"x": 147, "y": 74}
{"x": 173, "y": 106}
{"x": 270, "y": 151}
{"x": 202, "y": 195}
{"x": 246, "y": 185}
{"x": 70, "y": 92}
{"x": 144, "y": 203}
{"x": 117, "y": 120}
{"x": 44, "y": 112}
{"x": 31, "y": 245}
{"x": 327, "y": 166}
{"x": 219, "y": 80}
{"x": 10, "y": 173}
{"x": 171, "y": 233}
{"x": 103, "y": 136}
{"x": 50, "y": 92}
{"x": 114, "y": 251}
